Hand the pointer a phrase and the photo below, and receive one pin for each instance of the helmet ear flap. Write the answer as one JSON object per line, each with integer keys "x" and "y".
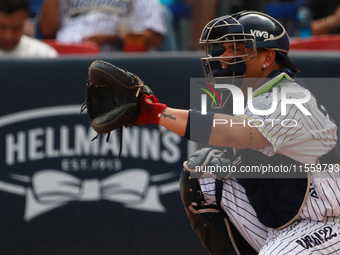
{"x": 270, "y": 34}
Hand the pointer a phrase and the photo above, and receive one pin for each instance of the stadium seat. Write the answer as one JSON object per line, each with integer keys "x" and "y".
{"x": 74, "y": 48}
{"x": 320, "y": 42}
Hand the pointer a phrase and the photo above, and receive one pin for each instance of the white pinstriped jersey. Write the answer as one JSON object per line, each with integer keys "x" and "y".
{"x": 317, "y": 228}
{"x": 301, "y": 137}
{"x": 323, "y": 203}
{"x": 81, "y": 18}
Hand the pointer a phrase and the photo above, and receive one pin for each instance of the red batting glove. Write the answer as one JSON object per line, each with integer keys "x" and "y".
{"x": 149, "y": 113}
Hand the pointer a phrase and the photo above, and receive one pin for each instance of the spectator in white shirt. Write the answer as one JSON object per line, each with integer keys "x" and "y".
{"x": 13, "y": 42}
{"x": 111, "y": 24}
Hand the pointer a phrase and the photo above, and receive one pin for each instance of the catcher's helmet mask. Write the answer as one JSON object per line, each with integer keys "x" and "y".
{"x": 257, "y": 30}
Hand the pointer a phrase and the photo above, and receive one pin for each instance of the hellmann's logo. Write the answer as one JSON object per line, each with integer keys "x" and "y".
{"x": 54, "y": 163}
{"x": 263, "y": 34}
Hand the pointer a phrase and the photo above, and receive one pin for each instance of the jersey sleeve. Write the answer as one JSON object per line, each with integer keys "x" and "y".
{"x": 295, "y": 134}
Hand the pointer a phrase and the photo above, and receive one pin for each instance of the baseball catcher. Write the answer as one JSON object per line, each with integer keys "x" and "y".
{"x": 283, "y": 214}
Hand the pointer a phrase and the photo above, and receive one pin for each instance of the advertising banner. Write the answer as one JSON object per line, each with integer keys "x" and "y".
{"x": 63, "y": 190}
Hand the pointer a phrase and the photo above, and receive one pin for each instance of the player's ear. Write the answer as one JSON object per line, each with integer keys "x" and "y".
{"x": 268, "y": 58}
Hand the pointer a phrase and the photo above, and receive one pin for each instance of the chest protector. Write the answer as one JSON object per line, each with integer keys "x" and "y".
{"x": 277, "y": 187}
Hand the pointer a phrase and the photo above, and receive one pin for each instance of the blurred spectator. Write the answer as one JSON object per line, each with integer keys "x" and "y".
{"x": 13, "y": 41}
{"x": 326, "y": 16}
{"x": 169, "y": 42}
{"x": 130, "y": 25}
{"x": 202, "y": 11}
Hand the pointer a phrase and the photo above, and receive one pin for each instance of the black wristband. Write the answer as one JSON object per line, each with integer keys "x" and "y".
{"x": 199, "y": 126}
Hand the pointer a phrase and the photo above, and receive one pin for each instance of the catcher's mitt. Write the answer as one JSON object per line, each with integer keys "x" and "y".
{"x": 112, "y": 96}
